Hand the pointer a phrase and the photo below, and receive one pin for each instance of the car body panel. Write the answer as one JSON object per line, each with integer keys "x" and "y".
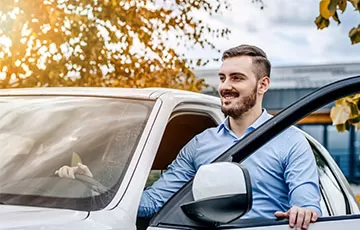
{"x": 328, "y": 225}
{"x": 15, "y": 217}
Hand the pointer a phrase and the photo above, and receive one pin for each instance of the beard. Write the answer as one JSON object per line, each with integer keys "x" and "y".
{"x": 241, "y": 107}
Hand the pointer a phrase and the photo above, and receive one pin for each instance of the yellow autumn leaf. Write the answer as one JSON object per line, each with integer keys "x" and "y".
{"x": 340, "y": 113}
{"x": 324, "y": 9}
{"x": 356, "y": 97}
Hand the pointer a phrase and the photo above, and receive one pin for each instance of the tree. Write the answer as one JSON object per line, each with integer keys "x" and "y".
{"x": 103, "y": 42}
{"x": 346, "y": 111}
{"x": 330, "y": 8}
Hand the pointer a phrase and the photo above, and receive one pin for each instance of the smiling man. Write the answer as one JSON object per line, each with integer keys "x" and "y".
{"x": 283, "y": 172}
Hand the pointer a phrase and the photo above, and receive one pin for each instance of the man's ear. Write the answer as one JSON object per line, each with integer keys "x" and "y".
{"x": 263, "y": 85}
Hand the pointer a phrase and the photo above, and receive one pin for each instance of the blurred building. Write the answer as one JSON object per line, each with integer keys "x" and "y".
{"x": 289, "y": 84}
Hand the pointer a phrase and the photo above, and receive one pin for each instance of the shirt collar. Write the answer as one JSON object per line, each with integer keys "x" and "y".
{"x": 263, "y": 117}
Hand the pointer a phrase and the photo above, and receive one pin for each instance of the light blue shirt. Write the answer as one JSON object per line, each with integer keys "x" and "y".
{"x": 283, "y": 172}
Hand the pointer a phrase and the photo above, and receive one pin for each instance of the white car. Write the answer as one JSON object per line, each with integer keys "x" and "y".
{"x": 123, "y": 135}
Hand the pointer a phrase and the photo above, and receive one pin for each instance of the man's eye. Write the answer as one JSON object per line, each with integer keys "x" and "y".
{"x": 237, "y": 78}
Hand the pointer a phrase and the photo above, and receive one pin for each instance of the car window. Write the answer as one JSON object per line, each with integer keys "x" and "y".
{"x": 182, "y": 126}
{"x": 41, "y": 134}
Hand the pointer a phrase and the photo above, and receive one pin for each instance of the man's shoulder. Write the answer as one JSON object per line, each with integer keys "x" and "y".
{"x": 292, "y": 133}
{"x": 202, "y": 139}
{"x": 290, "y": 138}
{"x": 208, "y": 132}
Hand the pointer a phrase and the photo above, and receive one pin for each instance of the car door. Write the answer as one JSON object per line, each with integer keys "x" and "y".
{"x": 171, "y": 215}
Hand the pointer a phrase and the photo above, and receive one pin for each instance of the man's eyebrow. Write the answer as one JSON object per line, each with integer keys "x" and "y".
{"x": 220, "y": 74}
{"x": 238, "y": 73}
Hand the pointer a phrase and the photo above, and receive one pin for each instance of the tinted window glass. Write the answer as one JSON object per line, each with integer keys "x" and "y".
{"x": 357, "y": 153}
{"x": 316, "y": 131}
{"x": 338, "y": 146}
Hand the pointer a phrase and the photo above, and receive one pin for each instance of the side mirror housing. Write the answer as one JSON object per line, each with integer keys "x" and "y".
{"x": 222, "y": 193}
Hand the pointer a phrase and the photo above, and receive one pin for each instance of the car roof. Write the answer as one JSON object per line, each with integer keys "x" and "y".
{"x": 135, "y": 93}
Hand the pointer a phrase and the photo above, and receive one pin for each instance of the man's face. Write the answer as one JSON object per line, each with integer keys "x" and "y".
{"x": 238, "y": 86}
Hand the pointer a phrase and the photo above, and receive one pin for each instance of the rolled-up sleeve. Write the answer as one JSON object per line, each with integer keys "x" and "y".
{"x": 301, "y": 174}
{"x": 180, "y": 171}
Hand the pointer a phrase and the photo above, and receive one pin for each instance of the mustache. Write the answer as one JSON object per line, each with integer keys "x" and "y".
{"x": 227, "y": 92}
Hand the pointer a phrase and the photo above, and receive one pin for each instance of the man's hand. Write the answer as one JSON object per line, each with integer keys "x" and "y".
{"x": 69, "y": 172}
{"x": 299, "y": 217}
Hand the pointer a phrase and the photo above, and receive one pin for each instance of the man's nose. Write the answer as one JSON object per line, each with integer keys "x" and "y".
{"x": 226, "y": 84}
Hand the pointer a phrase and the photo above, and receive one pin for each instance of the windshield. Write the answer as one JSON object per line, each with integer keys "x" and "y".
{"x": 39, "y": 135}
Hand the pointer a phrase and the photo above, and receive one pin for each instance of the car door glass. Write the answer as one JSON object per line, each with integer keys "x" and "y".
{"x": 316, "y": 131}
{"x": 338, "y": 146}
{"x": 357, "y": 153}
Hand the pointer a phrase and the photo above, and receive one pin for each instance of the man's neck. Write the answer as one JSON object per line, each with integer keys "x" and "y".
{"x": 240, "y": 124}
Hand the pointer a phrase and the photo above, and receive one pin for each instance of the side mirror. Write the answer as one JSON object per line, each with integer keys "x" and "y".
{"x": 222, "y": 193}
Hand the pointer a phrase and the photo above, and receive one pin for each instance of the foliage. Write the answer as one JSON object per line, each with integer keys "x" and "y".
{"x": 346, "y": 111}
{"x": 329, "y": 9}
{"x": 103, "y": 42}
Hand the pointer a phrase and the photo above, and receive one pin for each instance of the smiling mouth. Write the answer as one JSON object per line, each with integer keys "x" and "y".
{"x": 229, "y": 95}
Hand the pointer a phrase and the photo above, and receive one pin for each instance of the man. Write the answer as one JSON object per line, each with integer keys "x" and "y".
{"x": 283, "y": 172}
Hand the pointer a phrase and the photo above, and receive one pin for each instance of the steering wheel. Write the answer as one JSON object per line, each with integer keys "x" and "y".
{"x": 91, "y": 182}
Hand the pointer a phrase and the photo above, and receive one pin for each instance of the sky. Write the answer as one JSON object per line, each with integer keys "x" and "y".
{"x": 286, "y": 31}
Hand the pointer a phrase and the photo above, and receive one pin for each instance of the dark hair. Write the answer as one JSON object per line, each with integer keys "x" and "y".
{"x": 261, "y": 64}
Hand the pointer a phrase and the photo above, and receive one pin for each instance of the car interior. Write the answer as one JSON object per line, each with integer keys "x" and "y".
{"x": 182, "y": 126}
